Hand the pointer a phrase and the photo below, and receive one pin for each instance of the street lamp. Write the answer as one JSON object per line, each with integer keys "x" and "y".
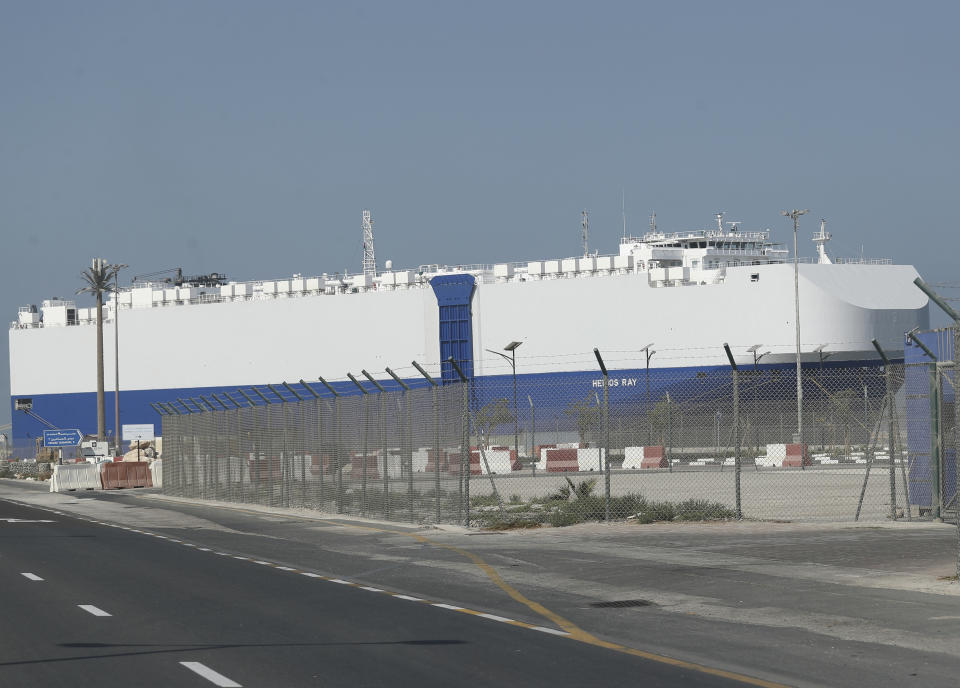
{"x": 795, "y": 216}
{"x": 512, "y": 360}
{"x": 823, "y": 356}
{"x": 649, "y": 352}
{"x": 116, "y": 359}
{"x": 756, "y": 357}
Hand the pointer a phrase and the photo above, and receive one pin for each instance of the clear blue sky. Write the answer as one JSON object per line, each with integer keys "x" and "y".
{"x": 245, "y": 137}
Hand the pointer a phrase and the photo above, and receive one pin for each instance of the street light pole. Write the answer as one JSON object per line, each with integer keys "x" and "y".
{"x": 649, "y": 352}
{"x": 795, "y": 216}
{"x": 512, "y": 360}
{"x": 116, "y": 361}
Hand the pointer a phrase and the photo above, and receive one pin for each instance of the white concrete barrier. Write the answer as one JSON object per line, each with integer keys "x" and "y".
{"x": 632, "y": 457}
{"x": 77, "y": 476}
{"x": 590, "y": 459}
{"x": 156, "y": 472}
{"x": 499, "y": 461}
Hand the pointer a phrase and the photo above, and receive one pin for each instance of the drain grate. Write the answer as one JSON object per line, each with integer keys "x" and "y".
{"x": 621, "y": 603}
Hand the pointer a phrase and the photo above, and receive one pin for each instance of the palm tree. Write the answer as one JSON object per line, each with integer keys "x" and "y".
{"x": 99, "y": 278}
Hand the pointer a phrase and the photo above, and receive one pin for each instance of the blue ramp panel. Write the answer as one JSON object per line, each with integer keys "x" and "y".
{"x": 454, "y": 295}
{"x": 919, "y": 422}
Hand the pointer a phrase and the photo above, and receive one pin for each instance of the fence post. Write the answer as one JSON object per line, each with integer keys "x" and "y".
{"x": 406, "y": 438}
{"x": 464, "y": 447}
{"x": 889, "y": 402}
{"x": 254, "y": 445}
{"x": 669, "y": 447}
{"x": 533, "y": 435}
{"x": 436, "y": 434}
{"x": 736, "y": 430}
{"x": 935, "y": 440}
{"x": 303, "y": 447}
{"x": 955, "y": 316}
{"x": 606, "y": 435}
{"x": 234, "y": 446}
{"x": 956, "y": 436}
{"x": 319, "y": 447}
{"x": 364, "y": 430}
{"x": 382, "y": 394}
{"x": 286, "y": 453}
{"x": 338, "y": 435}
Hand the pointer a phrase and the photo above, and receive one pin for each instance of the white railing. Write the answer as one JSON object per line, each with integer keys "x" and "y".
{"x": 483, "y": 273}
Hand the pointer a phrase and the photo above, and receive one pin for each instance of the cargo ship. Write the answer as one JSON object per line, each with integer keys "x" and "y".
{"x": 678, "y": 295}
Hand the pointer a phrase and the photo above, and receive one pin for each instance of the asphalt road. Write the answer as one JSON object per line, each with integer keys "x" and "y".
{"x": 87, "y": 603}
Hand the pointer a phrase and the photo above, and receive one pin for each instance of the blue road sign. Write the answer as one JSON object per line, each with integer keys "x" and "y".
{"x": 62, "y": 438}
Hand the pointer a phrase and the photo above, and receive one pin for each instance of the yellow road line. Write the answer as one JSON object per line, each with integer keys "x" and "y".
{"x": 573, "y": 631}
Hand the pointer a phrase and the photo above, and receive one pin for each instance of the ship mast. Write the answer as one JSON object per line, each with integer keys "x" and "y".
{"x": 820, "y": 240}
{"x": 369, "y": 261}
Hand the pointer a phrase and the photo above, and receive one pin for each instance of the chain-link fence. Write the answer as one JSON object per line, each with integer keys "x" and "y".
{"x": 672, "y": 444}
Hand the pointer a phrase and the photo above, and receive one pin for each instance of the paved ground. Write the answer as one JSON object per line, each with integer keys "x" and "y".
{"x": 837, "y": 605}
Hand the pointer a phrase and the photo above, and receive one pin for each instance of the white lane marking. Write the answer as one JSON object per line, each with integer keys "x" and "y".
{"x": 367, "y": 587}
{"x": 27, "y": 520}
{"x": 215, "y": 678}
{"x": 448, "y": 606}
{"x": 31, "y": 576}
{"x": 310, "y": 575}
{"x": 241, "y": 558}
{"x": 551, "y": 631}
{"x": 494, "y": 617}
{"x": 263, "y": 563}
{"x": 205, "y": 549}
{"x": 341, "y": 582}
{"x": 408, "y": 597}
{"x": 284, "y": 568}
{"x": 96, "y": 611}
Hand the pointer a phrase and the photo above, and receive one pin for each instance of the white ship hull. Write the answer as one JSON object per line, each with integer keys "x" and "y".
{"x": 183, "y": 351}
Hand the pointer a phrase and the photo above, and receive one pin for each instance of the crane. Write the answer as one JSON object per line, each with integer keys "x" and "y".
{"x": 177, "y": 280}
{"x": 214, "y": 279}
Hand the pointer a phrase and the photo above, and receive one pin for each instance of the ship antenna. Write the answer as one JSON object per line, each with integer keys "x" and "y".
{"x": 369, "y": 261}
{"x": 653, "y": 222}
{"x": 719, "y": 217}
{"x": 821, "y": 240}
{"x": 585, "y": 231}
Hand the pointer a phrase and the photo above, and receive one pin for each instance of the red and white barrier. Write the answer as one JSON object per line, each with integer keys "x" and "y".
{"x": 785, "y": 455}
{"x": 571, "y": 459}
{"x": 635, "y": 458}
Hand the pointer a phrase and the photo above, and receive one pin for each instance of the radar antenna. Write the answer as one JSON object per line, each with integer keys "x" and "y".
{"x": 585, "y": 233}
{"x": 653, "y": 222}
{"x": 820, "y": 240}
{"x": 369, "y": 261}
{"x": 719, "y": 217}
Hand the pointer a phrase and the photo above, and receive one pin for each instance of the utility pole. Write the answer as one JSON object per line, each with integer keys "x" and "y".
{"x": 116, "y": 361}
{"x": 795, "y": 216}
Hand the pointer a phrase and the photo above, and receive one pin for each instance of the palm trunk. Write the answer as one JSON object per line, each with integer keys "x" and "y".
{"x": 101, "y": 405}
